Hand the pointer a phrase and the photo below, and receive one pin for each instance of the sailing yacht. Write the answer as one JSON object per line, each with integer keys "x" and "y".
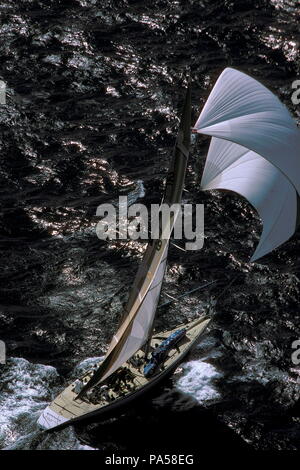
{"x": 254, "y": 152}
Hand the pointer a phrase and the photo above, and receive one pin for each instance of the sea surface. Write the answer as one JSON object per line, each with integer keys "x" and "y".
{"x": 94, "y": 90}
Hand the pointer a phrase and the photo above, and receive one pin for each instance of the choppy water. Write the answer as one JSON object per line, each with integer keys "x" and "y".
{"x": 93, "y": 93}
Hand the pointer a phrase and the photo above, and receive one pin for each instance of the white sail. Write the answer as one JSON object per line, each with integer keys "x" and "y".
{"x": 254, "y": 152}
{"x": 235, "y": 168}
{"x": 140, "y": 310}
{"x": 242, "y": 110}
{"x": 140, "y": 326}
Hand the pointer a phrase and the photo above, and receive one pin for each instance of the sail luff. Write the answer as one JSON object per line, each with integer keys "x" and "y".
{"x": 172, "y": 195}
{"x": 152, "y": 269}
{"x": 112, "y": 360}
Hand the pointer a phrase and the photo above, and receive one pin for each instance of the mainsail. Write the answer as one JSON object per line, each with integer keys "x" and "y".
{"x": 141, "y": 306}
{"x": 254, "y": 151}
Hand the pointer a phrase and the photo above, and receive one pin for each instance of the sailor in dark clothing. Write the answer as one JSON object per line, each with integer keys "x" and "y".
{"x": 121, "y": 376}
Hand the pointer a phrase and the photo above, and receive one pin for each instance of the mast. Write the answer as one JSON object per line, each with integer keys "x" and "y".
{"x": 143, "y": 299}
{"x": 177, "y": 170}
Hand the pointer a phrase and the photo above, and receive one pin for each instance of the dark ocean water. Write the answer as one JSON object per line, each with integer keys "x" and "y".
{"x": 94, "y": 90}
